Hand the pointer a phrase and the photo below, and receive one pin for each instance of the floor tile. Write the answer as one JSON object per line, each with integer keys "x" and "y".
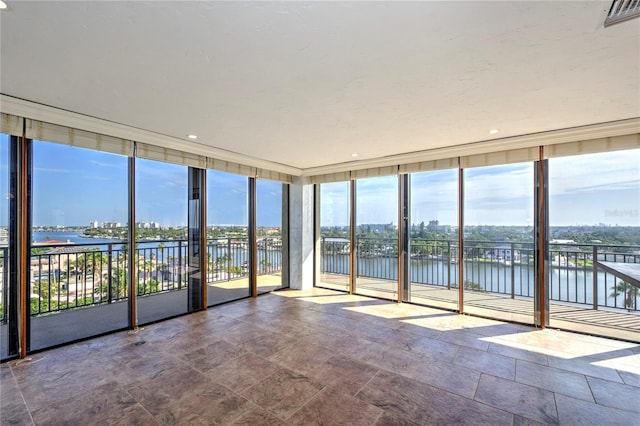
{"x": 553, "y": 379}
{"x": 135, "y": 415}
{"x": 524, "y": 400}
{"x": 266, "y": 345}
{"x": 14, "y": 413}
{"x": 344, "y": 373}
{"x": 259, "y": 416}
{"x": 407, "y": 399}
{"x": 283, "y": 393}
{"x": 242, "y": 372}
{"x": 629, "y": 378}
{"x": 486, "y": 362}
{"x": 332, "y": 406}
{"x": 518, "y": 353}
{"x": 465, "y": 338}
{"x": 90, "y": 407}
{"x": 170, "y": 404}
{"x": 523, "y": 421}
{"x": 388, "y": 418}
{"x": 582, "y": 366}
{"x": 615, "y": 395}
{"x": 299, "y": 357}
{"x": 43, "y": 390}
{"x": 579, "y": 412}
{"x": 432, "y": 348}
{"x": 220, "y": 412}
{"x": 212, "y": 355}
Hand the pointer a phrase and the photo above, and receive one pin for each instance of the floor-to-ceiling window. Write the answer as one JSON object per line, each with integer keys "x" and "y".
{"x": 335, "y": 237}
{"x": 594, "y": 227}
{"x": 227, "y": 235}
{"x": 498, "y": 241}
{"x": 377, "y": 236}
{"x": 77, "y": 279}
{"x": 161, "y": 239}
{"x": 4, "y": 246}
{"x": 433, "y": 270}
{"x": 271, "y": 234}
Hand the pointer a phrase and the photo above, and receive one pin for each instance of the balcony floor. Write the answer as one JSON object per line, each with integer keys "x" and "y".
{"x": 324, "y": 357}
{"x": 602, "y": 322}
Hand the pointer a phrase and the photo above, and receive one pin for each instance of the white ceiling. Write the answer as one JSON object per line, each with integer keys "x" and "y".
{"x": 308, "y": 84}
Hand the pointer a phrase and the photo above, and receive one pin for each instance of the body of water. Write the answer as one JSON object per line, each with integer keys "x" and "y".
{"x": 565, "y": 284}
{"x": 72, "y": 237}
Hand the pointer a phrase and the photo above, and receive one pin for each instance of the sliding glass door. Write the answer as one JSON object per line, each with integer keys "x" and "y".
{"x": 76, "y": 273}
{"x": 271, "y": 234}
{"x": 498, "y": 242}
{"x": 161, "y": 240}
{"x": 335, "y": 237}
{"x": 377, "y": 237}
{"x": 433, "y": 253}
{"x": 227, "y": 237}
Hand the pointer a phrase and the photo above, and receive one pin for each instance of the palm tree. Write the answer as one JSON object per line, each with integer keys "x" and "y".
{"x": 161, "y": 246}
{"x": 630, "y": 292}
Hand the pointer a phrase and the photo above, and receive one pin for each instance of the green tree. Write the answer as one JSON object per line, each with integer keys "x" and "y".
{"x": 630, "y": 293}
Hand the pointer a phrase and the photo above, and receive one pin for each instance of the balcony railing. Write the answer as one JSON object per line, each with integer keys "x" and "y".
{"x": 495, "y": 267}
{"x": 72, "y": 276}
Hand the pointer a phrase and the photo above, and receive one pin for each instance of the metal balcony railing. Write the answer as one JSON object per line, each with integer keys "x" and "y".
{"x": 72, "y": 276}
{"x": 495, "y": 267}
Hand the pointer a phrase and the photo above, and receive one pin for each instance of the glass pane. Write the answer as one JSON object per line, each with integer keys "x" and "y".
{"x": 498, "y": 242}
{"x": 269, "y": 234}
{"x": 434, "y": 238}
{"x": 228, "y": 245}
{"x": 79, "y": 217}
{"x": 334, "y": 236}
{"x": 377, "y": 237}
{"x": 161, "y": 246}
{"x": 594, "y": 226}
{"x": 4, "y": 245}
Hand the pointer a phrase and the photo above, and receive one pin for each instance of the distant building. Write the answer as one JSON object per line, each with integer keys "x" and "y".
{"x": 111, "y": 225}
{"x": 562, "y": 241}
{"x": 434, "y": 226}
{"x": 93, "y": 224}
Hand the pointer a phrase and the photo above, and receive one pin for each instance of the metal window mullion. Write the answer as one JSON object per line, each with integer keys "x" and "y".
{"x": 131, "y": 236}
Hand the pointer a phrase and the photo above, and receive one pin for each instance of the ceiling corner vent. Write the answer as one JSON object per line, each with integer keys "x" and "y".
{"x": 622, "y": 10}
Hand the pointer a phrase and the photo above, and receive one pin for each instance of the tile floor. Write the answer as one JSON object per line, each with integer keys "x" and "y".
{"x": 323, "y": 357}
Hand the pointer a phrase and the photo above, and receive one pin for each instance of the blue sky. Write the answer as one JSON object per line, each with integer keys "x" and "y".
{"x": 584, "y": 190}
{"x": 75, "y": 186}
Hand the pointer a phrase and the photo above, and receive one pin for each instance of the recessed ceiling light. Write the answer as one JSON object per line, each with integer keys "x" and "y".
{"x": 192, "y": 136}
{"x": 354, "y": 155}
{"x": 3, "y": 5}
{"x": 494, "y": 131}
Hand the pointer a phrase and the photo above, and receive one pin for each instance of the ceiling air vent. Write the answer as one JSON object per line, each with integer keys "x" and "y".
{"x": 621, "y": 10}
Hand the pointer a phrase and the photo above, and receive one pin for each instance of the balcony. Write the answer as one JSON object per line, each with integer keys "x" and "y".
{"x": 70, "y": 281}
{"x": 499, "y": 280}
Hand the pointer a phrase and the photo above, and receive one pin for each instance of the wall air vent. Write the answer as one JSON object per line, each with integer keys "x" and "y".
{"x": 621, "y": 10}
